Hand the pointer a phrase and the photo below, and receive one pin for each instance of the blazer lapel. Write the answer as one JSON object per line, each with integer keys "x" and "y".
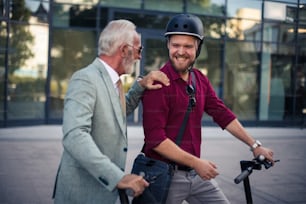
{"x": 116, "y": 106}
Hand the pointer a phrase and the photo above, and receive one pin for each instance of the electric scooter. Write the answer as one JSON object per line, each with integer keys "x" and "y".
{"x": 247, "y": 168}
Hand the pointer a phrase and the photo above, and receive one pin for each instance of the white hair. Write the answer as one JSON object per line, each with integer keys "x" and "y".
{"x": 116, "y": 33}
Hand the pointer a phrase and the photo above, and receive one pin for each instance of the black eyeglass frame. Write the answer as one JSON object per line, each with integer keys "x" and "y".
{"x": 139, "y": 49}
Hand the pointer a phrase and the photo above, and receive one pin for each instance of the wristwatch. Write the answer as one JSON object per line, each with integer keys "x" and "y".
{"x": 255, "y": 145}
{"x": 139, "y": 78}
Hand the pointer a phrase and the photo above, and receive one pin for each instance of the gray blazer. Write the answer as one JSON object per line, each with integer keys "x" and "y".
{"x": 94, "y": 138}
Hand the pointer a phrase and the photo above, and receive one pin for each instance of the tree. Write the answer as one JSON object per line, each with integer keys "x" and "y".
{"x": 20, "y": 37}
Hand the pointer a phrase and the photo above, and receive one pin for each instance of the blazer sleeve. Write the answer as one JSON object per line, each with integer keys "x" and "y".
{"x": 133, "y": 97}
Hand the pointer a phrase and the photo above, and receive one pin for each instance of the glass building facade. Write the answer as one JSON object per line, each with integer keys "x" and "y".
{"x": 254, "y": 53}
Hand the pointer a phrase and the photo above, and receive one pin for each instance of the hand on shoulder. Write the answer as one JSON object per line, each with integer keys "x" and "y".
{"x": 149, "y": 80}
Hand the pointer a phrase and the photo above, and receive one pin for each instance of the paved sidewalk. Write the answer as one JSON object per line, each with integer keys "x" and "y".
{"x": 29, "y": 158}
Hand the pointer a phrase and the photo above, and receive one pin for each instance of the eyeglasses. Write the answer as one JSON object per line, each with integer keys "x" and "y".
{"x": 139, "y": 50}
{"x": 191, "y": 92}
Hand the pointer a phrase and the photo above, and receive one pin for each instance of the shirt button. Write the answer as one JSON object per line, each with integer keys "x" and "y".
{"x": 125, "y": 149}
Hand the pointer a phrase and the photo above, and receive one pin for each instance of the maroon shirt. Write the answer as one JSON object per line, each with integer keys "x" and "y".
{"x": 164, "y": 110}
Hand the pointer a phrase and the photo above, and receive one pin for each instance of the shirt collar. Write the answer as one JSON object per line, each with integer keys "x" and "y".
{"x": 112, "y": 73}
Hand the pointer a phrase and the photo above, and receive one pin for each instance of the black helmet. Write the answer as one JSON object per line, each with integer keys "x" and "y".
{"x": 185, "y": 24}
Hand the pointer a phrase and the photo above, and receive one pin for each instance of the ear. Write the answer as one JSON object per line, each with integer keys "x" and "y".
{"x": 168, "y": 43}
{"x": 123, "y": 50}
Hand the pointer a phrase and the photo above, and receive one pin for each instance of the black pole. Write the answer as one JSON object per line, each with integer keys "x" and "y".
{"x": 247, "y": 190}
{"x": 246, "y": 165}
{"x": 123, "y": 196}
{"x": 247, "y": 168}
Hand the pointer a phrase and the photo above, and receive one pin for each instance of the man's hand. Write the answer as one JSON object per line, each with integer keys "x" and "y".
{"x": 205, "y": 169}
{"x": 149, "y": 80}
{"x": 266, "y": 152}
{"x": 134, "y": 182}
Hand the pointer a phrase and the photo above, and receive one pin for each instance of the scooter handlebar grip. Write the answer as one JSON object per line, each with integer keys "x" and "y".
{"x": 242, "y": 176}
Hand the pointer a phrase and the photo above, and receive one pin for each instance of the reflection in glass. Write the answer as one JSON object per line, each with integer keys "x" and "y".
{"x": 209, "y": 63}
{"x": 277, "y": 96}
{"x": 240, "y": 85}
{"x": 60, "y": 15}
{"x": 3, "y": 46}
{"x": 213, "y": 27}
{"x": 291, "y": 13}
{"x": 302, "y": 41}
{"x": 156, "y": 54}
{"x": 279, "y": 81}
{"x": 87, "y": 2}
{"x": 284, "y": 12}
{"x": 260, "y": 81}
{"x": 150, "y": 21}
{"x": 302, "y": 13}
{"x": 274, "y": 11}
{"x": 212, "y": 7}
{"x": 69, "y": 53}
{"x": 281, "y": 33}
{"x": 279, "y": 48}
{"x": 27, "y": 71}
{"x": 36, "y": 5}
{"x": 300, "y": 90}
{"x": 121, "y": 4}
{"x": 242, "y": 29}
{"x": 247, "y": 8}
{"x": 246, "y": 24}
{"x": 74, "y": 15}
{"x": 165, "y": 5}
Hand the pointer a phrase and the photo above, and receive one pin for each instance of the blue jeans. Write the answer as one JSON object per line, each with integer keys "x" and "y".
{"x": 190, "y": 187}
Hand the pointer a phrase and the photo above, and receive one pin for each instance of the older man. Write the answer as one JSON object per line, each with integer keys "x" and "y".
{"x": 94, "y": 122}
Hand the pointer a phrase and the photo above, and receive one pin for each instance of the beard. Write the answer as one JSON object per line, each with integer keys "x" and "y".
{"x": 128, "y": 63}
{"x": 181, "y": 63}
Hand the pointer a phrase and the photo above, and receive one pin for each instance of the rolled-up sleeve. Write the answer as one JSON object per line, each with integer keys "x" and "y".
{"x": 155, "y": 111}
{"x": 216, "y": 108}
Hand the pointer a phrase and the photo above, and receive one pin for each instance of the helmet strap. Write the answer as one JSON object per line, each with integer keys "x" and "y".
{"x": 199, "y": 49}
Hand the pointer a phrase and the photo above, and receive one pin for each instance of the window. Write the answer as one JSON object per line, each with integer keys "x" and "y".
{"x": 74, "y": 15}
{"x": 27, "y": 71}
{"x": 121, "y": 4}
{"x": 250, "y": 9}
{"x": 3, "y": 53}
{"x": 240, "y": 82}
{"x": 150, "y": 21}
{"x": 165, "y": 5}
{"x": 70, "y": 52}
{"x": 277, "y": 96}
{"x": 213, "y": 7}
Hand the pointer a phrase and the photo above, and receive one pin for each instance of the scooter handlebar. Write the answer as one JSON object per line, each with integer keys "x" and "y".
{"x": 254, "y": 164}
{"x": 243, "y": 175}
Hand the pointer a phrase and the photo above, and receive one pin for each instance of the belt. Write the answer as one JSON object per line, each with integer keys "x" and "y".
{"x": 182, "y": 167}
